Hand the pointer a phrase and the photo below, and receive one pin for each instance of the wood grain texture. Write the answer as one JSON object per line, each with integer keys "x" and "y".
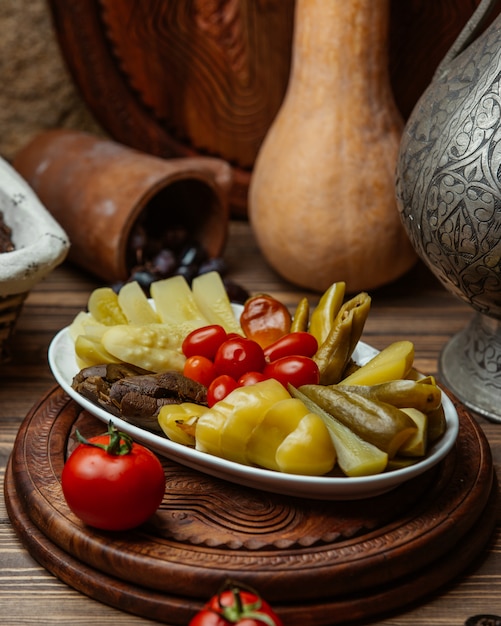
{"x": 302, "y": 552}
{"x": 415, "y": 308}
{"x": 181, "y": 77}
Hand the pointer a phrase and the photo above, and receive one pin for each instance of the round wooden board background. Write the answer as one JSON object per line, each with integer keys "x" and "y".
{"x": 316, "y": 562}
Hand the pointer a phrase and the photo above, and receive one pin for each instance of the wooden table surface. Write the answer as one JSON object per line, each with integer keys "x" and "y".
{"x": 416, "y": 308}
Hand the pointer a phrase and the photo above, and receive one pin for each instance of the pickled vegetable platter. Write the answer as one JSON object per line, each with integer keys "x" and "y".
{"x": 253, "y": 461}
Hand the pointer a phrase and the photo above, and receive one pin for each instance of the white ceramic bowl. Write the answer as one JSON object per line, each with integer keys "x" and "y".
{"x": 64, "y": 367}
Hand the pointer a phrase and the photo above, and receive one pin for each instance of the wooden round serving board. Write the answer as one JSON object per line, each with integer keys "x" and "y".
{"x": 317, "y": 562}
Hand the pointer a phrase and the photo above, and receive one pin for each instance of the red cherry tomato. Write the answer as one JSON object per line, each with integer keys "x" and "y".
{"x": 204, "y": 341}
{"x": 219, "y": 388}
{"x": 234, "y": 605}
{"x": 265, "y": 319}
{"x": 111, "y": 482}
{"x": 200, "y": 368}
{"x": 297, "y": 370}
{"x": 251, "y": 378}
{"x": 237, "y": 356}
{"x": 299, "y": 342}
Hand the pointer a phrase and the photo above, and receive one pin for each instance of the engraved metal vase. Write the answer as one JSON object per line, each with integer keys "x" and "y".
{"x": 449, "y": 196}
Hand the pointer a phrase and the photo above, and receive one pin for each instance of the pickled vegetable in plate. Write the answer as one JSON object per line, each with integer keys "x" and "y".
{"x": 265, "y": 319}
{"x": 392, "y": 363}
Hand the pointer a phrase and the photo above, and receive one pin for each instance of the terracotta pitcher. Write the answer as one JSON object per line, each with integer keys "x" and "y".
{"x": 101, "y": 191}
{"x": 449, "y": 195}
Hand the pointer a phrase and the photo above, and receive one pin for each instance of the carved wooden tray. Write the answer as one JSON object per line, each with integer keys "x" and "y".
{"x": 316, "y": 562}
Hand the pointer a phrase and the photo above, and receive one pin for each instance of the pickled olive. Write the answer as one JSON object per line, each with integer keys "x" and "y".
{"x": 355, "y": 456}
{"x": 300, "y": 319}
{"x": 379, "y": 423}
{"x": 421, "y": 395}
{"x": 334, "y": 354}
{"x": 325, "y": 313}
{"x": 265, "y": 319}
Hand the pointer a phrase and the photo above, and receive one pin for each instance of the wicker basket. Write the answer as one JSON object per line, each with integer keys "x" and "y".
{"x": 40, "y": 245}
{"x": 10, "y": 309}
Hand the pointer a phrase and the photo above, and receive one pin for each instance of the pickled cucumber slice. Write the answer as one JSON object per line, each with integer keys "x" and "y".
{"x": 417, "y": 445}
{"x": 135, "y": 305}
{"x": 212, "y": 299}
{"x": 153, "y": 347}
{"x": 175, "y": 303}
{"x": 104, "y": 307}
{"x": 393, "y": 362}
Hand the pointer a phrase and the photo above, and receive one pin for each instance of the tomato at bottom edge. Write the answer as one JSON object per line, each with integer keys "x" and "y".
{"x": 223, "y": 610}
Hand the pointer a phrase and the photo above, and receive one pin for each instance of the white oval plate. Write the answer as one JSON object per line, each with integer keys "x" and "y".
{"x": 64, "y": 367}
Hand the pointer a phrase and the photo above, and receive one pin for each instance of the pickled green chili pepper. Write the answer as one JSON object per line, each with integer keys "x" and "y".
{"x": 379, "y": 423}
{"x": 301, "y": 316}
{"x": 325, "y": 312}
{"x": 335, "y": 352}
{"x": 423, "y": 394}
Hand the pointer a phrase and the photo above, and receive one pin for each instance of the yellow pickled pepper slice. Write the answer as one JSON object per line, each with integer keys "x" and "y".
{"x": 178, "y": 421}
{"x": 225, "y": 429}
{"x": 308, "y": 449}
{"x": 278, "y": 422}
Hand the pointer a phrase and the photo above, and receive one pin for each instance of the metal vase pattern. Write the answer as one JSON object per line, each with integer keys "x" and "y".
{"x": 449, "y": 197}
{"x": 448, "y": 174}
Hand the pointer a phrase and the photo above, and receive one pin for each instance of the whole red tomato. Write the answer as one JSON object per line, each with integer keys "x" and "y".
{"x": 112, "y": 483}
{"x": 251, "y": 378}
{"x": 299, "y": 342}
{"x": 239, "y": 355}
{"x": 219, "y": 388}
{"x": 234, "y": 605}
{"x": 204, "y": 341}
{"x": 200, "y": 368}
{"x": 295, "y": 370}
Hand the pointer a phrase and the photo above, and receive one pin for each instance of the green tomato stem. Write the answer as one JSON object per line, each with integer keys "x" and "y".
{"x": 119, "y": 444}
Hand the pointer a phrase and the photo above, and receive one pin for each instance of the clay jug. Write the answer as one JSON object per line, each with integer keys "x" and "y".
{"x": 102, "y": 192}
{"x": 448, "y": 173}
{"x": 322, "y": 194}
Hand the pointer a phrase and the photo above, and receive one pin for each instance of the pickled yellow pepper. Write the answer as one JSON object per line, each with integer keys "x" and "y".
{"x": 225, "y": 429}
{"x": 262, "y": 425}
{"x": 291, "y": 439}
{"x": 178, "y": 421}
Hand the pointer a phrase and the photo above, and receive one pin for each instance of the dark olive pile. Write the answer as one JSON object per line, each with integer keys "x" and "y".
{"x": 173, "y": 255}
